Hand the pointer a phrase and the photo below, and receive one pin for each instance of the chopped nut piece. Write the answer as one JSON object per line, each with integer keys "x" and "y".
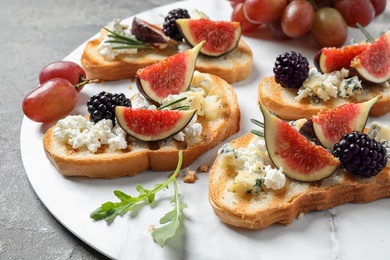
{"x": 203, "y": 168}
{"x": 190, "y": 176}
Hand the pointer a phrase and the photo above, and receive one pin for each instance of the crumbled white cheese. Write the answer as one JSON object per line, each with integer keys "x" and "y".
{"x": 79, "y": 132}
{"x": 252, "y": 165}
{"x": 274, "y": 178}
{"x": 329, "y": 85}
{"x": 139, "y": 101}
{"x": 193, "y": 129}
{"x": 209, "y": 106}
{"x": 106, "y": 48}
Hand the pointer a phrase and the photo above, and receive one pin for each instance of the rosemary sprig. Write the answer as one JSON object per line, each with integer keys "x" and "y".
{"x": 127, "y": 42}
{"x": 369, "y": 38}
{"x": 175, "y": 102}
{"x": 258, "y": 132}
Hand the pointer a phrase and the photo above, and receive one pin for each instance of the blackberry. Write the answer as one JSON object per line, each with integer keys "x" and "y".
{"x": 360, "y": 154}
{"x": 170, "y": 28}
{"x": 291, "y": 69}
{"x": 102, "y": 105}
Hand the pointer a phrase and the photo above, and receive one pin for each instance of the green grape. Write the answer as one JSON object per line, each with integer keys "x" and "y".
{"x": 329, "y": 28}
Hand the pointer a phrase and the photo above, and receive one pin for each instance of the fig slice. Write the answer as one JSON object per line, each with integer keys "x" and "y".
{"x": 331, "y": 59}
{"x": 152, "y": 125}
{"x": 331, "y": 124}
{"x": 147, "y": 32}
{"x": 299, "y": 158}
{"x": 221, "y": 36}
{"x": 169, "y": 76}
{"x": 373, "y": 65}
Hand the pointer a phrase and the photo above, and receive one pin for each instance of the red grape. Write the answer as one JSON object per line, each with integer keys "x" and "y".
{"x": 63, "y": 69}
{"x": 275, "y": 28}
{"x": 264, "y": 11}
{"x": 297, "y": 18}
{"x": 329, "y": 28}
{"x": 355, "y": 11}
{"x": 322, "y": 3}
{"x": 233, "y": 3}
{"x": 379, "y": 6}
{"x": 51, "y": 101}
{"x": 238, "y": 16}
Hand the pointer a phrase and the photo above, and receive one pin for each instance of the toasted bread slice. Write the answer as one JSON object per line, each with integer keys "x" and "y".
{"x": 233, "y": 66}
{"x": 282, "y": 102}
{"x": 157, "y": 156}
{"x": 282, "y": 206}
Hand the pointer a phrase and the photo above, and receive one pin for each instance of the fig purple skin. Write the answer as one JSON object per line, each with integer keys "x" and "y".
{"x": 316, "y": 61}
{"x": 147, "y": 32}
{"x": 307, "y": 130}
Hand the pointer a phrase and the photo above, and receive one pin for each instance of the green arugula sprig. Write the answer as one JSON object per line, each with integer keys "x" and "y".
{"x": 110, "y": 210}
{"x": 173, "y": 217}
{"x": 127, "y": 42}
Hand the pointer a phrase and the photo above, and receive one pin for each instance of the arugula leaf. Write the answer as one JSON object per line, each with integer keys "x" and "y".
{"x": 173, "y": 217}
{"x": 108, "y": 211}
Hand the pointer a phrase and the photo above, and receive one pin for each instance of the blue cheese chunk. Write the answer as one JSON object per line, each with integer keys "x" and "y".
{"x": 252, "y": 164}
{"x": 350, "y": 87}
{"x": 319, "y": 86}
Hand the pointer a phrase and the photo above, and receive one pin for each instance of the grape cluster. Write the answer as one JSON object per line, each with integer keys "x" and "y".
{"x": 361, "y": 155}
{"x": 57, "y": 93}
{"x": 326, "y": 20}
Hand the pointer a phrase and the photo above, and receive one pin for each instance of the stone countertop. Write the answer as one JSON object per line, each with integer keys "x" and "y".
{"x": 35, "y": 33}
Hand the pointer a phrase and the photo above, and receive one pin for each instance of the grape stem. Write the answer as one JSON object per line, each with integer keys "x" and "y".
{"x": 84, "y": 81}
{"x": 314, "y": 4}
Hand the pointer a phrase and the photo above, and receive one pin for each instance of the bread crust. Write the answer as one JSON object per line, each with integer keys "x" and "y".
{"x": 284, "y": 206}
{"x": 282, "y": 102}
{"x": 232, "y": 67}
{"x": 157, "y": 156}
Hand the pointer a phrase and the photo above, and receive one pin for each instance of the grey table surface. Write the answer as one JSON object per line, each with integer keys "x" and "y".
{"x": 35, "y": 33}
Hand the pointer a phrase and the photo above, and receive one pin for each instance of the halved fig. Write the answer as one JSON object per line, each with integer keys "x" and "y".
{"x": 221, "y": 36}
{"x": 147, "y": 32}
{"x": 152, "y": 125}
{"x": 373, "y": 65}
{"x": 168, "y": 77}
{"x": 331, "y": 59}
{"x": 331, "y": 124}
{"x": 299, "y": 158}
